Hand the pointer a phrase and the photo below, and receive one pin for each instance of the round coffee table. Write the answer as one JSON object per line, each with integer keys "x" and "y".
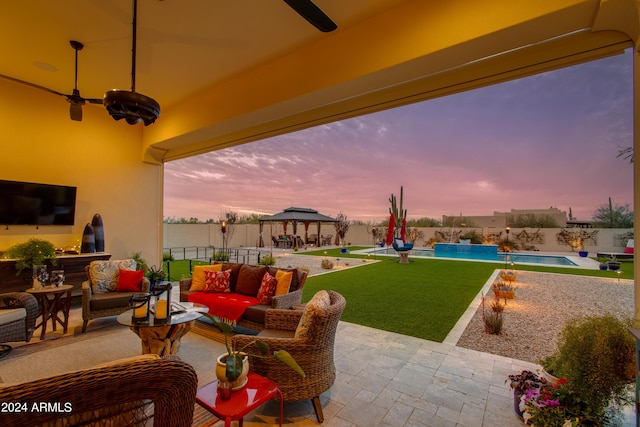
{"x": 162, "y": 337}
{"x": 51, "y": 308}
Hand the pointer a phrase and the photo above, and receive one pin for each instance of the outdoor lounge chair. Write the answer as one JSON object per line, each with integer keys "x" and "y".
{"x": 626, "y": 254}
{"x": 401, "y": 246}
{"x": 18, "y": 313}
{"x": 313, "y": 350}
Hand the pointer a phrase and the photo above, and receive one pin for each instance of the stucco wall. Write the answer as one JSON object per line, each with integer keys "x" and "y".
{"x": 246, "y": 235}
{"x": 101, "y": 157}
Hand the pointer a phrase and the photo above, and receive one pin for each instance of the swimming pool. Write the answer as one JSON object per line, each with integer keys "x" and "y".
{"x": 552, "y": 260}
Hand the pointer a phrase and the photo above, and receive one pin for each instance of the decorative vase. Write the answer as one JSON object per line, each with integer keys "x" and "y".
{"x": 603, "y": 267}
{"x": 221, "y": 372}
{"x": 583, "y": 254}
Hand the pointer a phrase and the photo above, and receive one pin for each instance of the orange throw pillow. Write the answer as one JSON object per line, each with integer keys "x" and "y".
{"x": 284, "y": 281}
{"x": 198, "y": 279}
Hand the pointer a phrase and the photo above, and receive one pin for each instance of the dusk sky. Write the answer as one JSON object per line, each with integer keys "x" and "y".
{"x": 549, "y": 140}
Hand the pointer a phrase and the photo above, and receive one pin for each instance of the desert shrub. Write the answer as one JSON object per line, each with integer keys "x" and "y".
{"x": 326, "y": 264}
{"x": 597, "y": 356}
{"x": 267, "y": 260}
{"x": 493, "y": 322}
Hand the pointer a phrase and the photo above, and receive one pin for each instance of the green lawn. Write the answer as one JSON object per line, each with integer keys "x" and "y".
{"x": 423, "y": 299}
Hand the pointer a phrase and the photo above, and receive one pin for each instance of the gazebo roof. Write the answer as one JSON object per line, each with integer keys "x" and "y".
{"x": 299, "y": 215}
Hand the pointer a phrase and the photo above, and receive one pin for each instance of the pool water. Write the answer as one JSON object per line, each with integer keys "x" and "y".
{"x": 552, "y": 260}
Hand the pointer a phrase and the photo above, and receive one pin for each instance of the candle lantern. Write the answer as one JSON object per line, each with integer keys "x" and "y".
{"x": 162, "y": 292}
{"x": 140, "y": 304}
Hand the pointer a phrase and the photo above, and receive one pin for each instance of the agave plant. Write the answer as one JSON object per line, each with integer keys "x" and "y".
{"x": 235, "y": 356}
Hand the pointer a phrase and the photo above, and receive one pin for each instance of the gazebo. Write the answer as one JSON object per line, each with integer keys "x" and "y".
{"x": 295, "y": 215}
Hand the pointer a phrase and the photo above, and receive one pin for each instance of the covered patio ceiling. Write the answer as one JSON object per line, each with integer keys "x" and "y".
{"x": 227, "y": 73}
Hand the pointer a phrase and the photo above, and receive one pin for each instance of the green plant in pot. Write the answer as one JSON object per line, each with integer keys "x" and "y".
{"x": 597, "y": 357}
{"x": 235, "y": 361}
{"x": 30, "y": 253}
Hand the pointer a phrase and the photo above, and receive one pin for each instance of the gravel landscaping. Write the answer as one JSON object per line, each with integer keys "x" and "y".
{"x": 543, "y": 304}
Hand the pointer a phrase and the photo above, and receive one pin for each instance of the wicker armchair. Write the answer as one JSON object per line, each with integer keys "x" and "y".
{"x": 139, "y": 392}
{"x": 104, "y": 304}
{"x": 18, "y": 313}
{"x": 314, "y": 353}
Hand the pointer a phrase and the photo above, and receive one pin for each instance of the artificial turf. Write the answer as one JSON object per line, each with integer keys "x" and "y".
{"x": 423, "y": 299}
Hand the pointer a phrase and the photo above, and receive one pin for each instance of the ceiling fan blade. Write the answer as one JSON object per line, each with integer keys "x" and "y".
{"x": 75, "y": 112}
{"x": 94, "y": 100}
{"x": 32, "y": 85}
{"x": 313, "y": 14}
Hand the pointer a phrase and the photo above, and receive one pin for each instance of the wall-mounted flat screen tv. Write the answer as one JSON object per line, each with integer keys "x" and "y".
{"x": 28, "y": 203}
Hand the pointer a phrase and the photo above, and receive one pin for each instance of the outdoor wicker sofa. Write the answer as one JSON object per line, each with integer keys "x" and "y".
{"x": 18, "y": 313}
{"x": 140, "y": 391}
{"x": 245, "y": 280}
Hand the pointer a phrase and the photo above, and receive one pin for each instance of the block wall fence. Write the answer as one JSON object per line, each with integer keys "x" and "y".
{"x": 247, "y": 235}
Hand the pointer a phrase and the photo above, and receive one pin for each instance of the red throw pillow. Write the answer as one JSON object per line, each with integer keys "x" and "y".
{"x": 130, "y": 281}
{"x": 267, "y": 289}
{"x": 217, "y": 281}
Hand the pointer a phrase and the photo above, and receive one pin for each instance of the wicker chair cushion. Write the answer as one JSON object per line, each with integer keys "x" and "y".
{"x": 320, "y": 300}
{"x": 11, "y": 315}
{"x": 256, "y": 313}
{"x": 104, "y": 274}
{"x": 109, "y": 300}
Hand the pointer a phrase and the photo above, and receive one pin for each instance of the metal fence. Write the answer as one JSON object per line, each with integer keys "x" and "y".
{"x": 210, "y": 254}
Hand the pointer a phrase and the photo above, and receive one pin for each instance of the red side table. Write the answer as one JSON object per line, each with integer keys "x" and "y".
{"x": 258, "y": 391}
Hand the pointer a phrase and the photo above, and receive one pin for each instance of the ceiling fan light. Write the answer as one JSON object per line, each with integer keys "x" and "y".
{"x": 131, "y": 106}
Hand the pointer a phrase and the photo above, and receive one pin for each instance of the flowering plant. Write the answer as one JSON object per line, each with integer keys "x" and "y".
{"x": 556, "y": 404}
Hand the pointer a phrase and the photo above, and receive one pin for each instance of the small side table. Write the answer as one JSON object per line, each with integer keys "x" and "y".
{"x": 258, "y": 391}
{"x": 52, "y": 308}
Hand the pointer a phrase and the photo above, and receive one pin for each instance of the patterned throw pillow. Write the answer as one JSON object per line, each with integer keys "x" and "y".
{"x": 267, "y": 289}
{"x": 104, "y": 274}
{"x": 320, "y": 301}
{"x": 217, "y": 281}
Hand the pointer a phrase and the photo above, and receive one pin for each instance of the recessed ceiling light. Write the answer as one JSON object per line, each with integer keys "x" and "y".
{"x": 45, "y": 67}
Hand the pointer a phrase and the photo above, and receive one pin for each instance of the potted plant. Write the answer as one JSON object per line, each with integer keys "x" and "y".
{"x": 232, "y": 366}
{"x": 31, "y": 253}
{"x": 520, "y": 383}
{"x": 603, "y": 263}
{"x": 155, "y": 275}
{"x": 613, "y": 264}
{"x": 597, "y": 356}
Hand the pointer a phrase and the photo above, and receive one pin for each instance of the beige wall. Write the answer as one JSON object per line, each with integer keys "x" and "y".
{"x": 101, "y": 157}
{"x": 181, "y": 235}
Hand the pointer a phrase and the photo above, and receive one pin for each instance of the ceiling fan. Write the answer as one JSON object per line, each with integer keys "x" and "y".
{"x": 132, "y": 106}
{"x": 135, "y": 107}
{"x": 75, "y": 100}
{"x": 313, "y": 14}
